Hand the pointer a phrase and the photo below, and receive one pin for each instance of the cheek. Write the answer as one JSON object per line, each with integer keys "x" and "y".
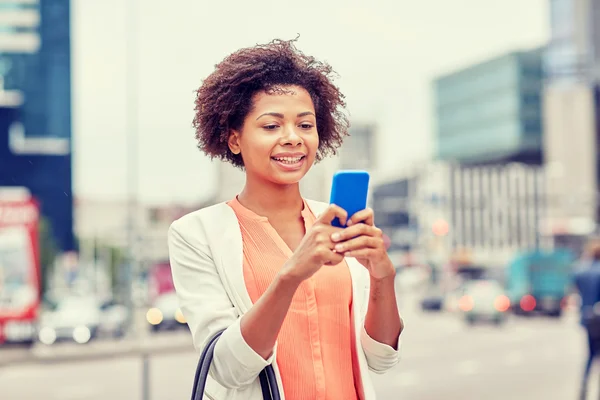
{"x": 257, "y": 150}
{"x": 313, "y": 144}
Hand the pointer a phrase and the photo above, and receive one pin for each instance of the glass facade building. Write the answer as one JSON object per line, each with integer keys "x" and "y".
{"x": 35, "y": 136}
{"x": 491, "y": 112}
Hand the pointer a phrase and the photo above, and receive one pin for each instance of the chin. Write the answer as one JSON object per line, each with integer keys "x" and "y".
{"x": 292, "y": 179}
{"x": 286, "y": 178}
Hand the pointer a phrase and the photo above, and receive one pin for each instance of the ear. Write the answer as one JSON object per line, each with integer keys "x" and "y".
{"x": 234, "y": 142}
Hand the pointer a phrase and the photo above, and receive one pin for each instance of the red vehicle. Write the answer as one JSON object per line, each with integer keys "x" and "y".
{"x": 160, "y": 280}
{"x": 19, "y": 270}
{"x": 164, "y": 312}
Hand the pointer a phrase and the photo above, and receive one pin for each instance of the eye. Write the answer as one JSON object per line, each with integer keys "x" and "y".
{"x": 306, "y": 126}
{"x": 270, "y": 127}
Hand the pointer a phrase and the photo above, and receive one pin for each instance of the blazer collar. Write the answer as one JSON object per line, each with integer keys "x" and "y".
{"x": 225, "y": 238}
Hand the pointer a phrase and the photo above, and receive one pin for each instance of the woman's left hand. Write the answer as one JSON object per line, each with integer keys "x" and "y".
{"x": 363, "y": 241}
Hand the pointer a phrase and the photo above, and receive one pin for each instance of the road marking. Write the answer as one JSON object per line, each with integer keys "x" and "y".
{"x": 467, "y": 367}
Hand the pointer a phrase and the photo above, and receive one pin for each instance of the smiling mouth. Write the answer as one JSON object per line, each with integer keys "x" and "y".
{"x": 288, "y": 160}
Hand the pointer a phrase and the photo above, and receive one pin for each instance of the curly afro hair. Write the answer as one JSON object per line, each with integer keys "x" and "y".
{"x": 225, "y": 97}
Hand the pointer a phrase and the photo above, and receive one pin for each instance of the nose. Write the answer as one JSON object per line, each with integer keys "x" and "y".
{"x": 290, "y": 137}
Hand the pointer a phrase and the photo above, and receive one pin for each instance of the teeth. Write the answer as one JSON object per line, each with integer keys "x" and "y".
{"x": 288, "y": 160}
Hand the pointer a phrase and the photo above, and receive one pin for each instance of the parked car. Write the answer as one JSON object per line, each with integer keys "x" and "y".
{"x": 81, "y": 319}
{"x": 74, "y": 318}
{"x": 484, "y": 301}
{"x": 114, "y": 319}
{"x": 165, "y": 313}
{"x": 433, "y": 300}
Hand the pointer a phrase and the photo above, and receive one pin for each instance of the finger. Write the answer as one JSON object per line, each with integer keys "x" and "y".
{"x": 331, "y": 213}
{"x": 354, "y": 231}
{"x": 365, "y": 216}
{"x": 334, "y": 258}
{"x": 360, "y": 253}
{"x": 360, "y": 242}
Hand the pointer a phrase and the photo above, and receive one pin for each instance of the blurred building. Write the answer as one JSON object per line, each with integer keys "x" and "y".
{"x": 35, "y": 132}
{"x": 573, "y": 51}
{"x": 572, "y": 155}
{"x": 230, "y": 181}
{"x": 496, "y": 210}
{"x": 491, "y": 210}
{"x": 571, "y": 102}
{"x": 104, "y": 223}
{"x": 393, "y": 201}
{"x": 491, "y": 112}
{"x": 358, "y": 150}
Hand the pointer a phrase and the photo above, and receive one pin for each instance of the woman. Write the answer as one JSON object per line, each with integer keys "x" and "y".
{"x": 315, "y": 301}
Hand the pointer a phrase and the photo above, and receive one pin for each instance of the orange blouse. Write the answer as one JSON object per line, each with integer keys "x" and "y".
{"x": 315, "y": 352}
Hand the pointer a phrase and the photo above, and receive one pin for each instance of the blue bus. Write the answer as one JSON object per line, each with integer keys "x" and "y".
{"x": 539, "y": 281}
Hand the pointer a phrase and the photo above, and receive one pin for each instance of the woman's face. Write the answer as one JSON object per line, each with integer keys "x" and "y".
{"x": 278, "y": 140}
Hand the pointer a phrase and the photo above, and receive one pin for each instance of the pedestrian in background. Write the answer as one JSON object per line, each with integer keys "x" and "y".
{"x": 587, "y": 282}
{"x": 316, "y": 302}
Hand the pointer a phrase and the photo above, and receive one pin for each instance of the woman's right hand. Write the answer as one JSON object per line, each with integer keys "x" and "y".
{"x": 316, "y": 248}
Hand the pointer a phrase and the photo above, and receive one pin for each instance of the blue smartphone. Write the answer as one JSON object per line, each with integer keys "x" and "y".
{"x": 349, "y": 190}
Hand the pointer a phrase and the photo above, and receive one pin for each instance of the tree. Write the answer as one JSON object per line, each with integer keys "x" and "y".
{"x": 117, "y": 258}
{"x": 109, "y": 257}
{"x": 48, "y": 252}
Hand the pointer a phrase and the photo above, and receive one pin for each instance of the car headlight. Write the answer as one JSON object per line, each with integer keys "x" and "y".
{"x": 179, "y": 317}
{"x": 154, "y": 316}
{"x": 47, "y": 335}
{"x": 82, "y": 334}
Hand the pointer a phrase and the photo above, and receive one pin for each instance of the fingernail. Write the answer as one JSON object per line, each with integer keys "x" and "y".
{"x": 339, "y": 247}
{"x": 349, "y": 222}
{"x": 335, "y": 237}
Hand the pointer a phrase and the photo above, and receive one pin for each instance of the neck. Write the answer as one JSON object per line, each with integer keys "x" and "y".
{"x": 269, "y": 199}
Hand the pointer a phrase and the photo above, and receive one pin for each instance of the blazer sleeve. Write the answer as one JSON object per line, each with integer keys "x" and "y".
{"x": 380, "y": 357}
{"x": 207, "y": 309}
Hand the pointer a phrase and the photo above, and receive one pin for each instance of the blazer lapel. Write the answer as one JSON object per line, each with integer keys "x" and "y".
{"x": 228, "y": 254}
{"x": 317, "y": 207}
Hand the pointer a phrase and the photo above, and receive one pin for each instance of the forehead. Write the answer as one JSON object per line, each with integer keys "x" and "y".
{"x": 281, "y": 97}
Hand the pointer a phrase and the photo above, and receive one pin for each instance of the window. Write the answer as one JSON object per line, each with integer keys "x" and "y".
{"x": 561, "y": 18}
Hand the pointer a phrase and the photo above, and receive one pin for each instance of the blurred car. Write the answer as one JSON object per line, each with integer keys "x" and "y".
{"x": 165, "y": 313}
{"x": 484, "y": 301}
{"x": 81, "y": 319}
{"x": 114, "y": 319}
{"x": 74, "y": 318}
{"x": 433, "y": 300}
{"x": 452, "y": 298}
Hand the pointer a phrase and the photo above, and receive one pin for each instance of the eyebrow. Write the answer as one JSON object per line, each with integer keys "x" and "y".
{"x": 279, "y": 115}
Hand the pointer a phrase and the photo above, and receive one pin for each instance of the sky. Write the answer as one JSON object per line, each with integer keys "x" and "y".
{"x": 386, "y": 52}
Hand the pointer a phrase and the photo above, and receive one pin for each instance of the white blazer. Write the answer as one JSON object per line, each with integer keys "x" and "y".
{"x": 206, "y": 253}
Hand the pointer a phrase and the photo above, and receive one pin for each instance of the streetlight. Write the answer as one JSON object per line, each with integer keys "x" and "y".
{"x": 132, "y": 150}
{"x": 131, "y": 107}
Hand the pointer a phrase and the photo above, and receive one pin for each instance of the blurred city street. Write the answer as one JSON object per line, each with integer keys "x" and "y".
{"x": 477, "y": 123}
{"x": 443, "y": 358}
{"x": 527, "y": 358}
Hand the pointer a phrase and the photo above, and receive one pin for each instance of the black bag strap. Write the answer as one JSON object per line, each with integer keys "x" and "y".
{"x": 268, "y": 381}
